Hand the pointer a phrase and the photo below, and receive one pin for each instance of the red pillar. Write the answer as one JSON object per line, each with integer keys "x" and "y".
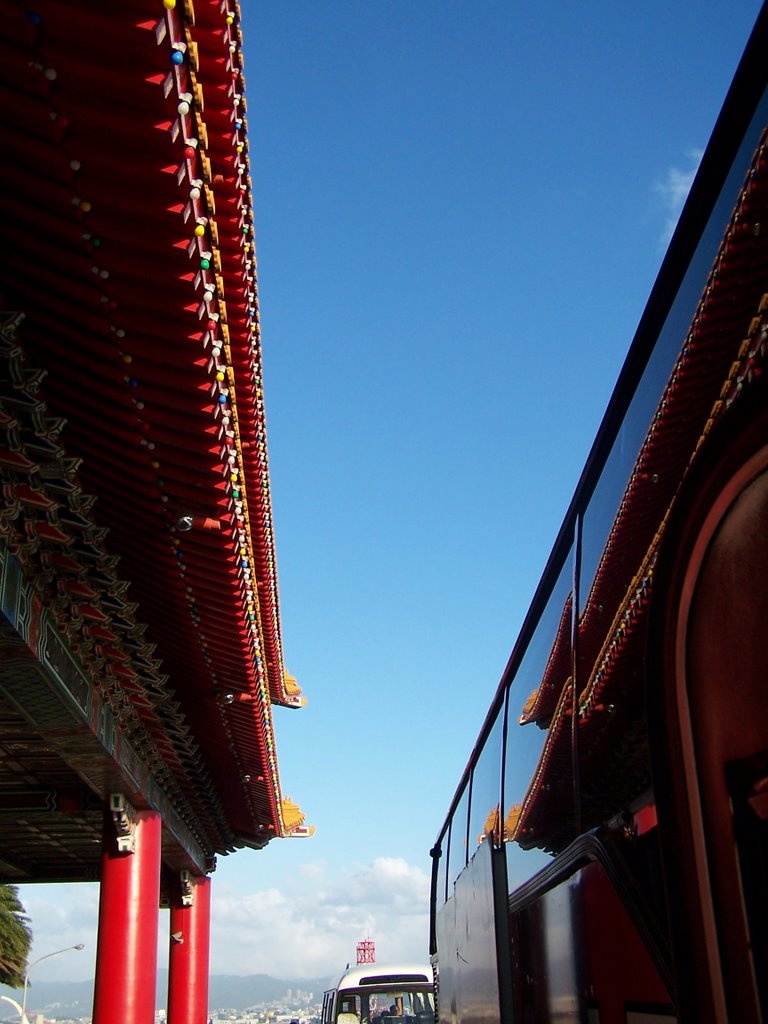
{"x": 188, "y": 959}
{"x": 126, "y": 958}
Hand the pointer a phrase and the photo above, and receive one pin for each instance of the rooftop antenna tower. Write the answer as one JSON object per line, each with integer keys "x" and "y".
{"x": 366, "y": 952}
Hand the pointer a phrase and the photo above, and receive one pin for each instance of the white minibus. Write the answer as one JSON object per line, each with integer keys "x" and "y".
{"x": 382, "y": 994}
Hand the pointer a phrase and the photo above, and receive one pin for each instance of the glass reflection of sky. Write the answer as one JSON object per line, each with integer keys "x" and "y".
{"x": 525, "y": 742}
{"x": 522, "y": 864}
{"x": 486, "y": 784}
{"x": 523, "y": 750}
{"x": 457, "y": 850}
{"x": 614, "y": 477}
{"x": 442, "y": 868}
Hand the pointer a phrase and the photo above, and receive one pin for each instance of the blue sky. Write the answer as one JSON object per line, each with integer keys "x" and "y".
{"x": 461, "y": 209}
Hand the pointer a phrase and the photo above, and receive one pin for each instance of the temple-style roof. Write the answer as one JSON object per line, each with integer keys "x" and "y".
{"x": 133, "y": 455}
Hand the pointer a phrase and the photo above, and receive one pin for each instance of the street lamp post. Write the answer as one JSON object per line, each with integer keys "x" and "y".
{"x": 56, "y": 952}
{"x": 13, "y": 1003}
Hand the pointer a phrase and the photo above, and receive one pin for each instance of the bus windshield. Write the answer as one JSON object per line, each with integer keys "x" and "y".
{"x": 400, "y": 1006}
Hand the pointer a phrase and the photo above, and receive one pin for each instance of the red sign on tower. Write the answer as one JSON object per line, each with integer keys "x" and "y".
{"x": 366, "y": 952}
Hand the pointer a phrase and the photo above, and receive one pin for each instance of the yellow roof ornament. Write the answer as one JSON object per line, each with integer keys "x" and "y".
{"x": 293, "y": 820}
{"x": 292, "y": 691}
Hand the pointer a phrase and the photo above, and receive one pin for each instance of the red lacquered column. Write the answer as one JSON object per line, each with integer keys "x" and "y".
{"x": 188, "y": 959}
{"x": 126, "y": 959}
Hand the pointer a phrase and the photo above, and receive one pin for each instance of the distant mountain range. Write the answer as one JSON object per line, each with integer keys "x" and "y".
{"x": 67, "y": 999}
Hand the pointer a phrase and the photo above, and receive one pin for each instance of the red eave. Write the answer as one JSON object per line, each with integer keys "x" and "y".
{"x": 128, "y": 215}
